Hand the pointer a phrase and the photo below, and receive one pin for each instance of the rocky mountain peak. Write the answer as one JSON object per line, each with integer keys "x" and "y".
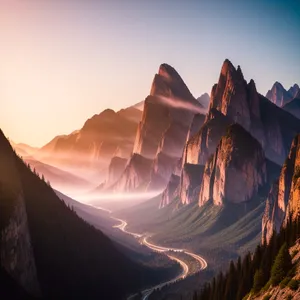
{"x": 278, "y": 85}
{"x": 284, "y": 197}
{"x": 230, "y": 95}
{"x": 294, "y": 90}
{"x": 236, "y": 170}
{"x": 168, "y": 83}
{"x": 168, "y": 72}
{"x": 278, "y": 94}
{"x": 297, "y": 96}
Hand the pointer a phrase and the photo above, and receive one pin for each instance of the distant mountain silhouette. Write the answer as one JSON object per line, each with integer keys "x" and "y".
{"x": 103, "y": 136}
{"x": 280, "y": 96}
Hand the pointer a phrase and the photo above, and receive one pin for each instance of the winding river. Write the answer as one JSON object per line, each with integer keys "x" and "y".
{"x": 144, "y": 240}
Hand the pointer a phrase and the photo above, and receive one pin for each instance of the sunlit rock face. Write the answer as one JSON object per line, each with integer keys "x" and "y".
{"x": 284, "y": 197}
{"x": 293, "y": 208}
{"x": 190, "y": 180}
{"x": 161, "y": 171}
{"x": 196, "y": 125}
{"x": 167, "y": 117}
{"x": 170, "y": 192}
{"x": 155, "y": 121}
{"x": 16, "y": 254}
{"x": 233, "y": 100}
{"x": 168, "y": 113}
{"x": 278, "y": 94}
{"x": 116, "y": 168}
{"x": 135, "y": 176}
{"x": 236, "y": 171}
{"x": 273, "y": 215}
{"x": 200, "y": 146}
{"x": 102, "y": 137}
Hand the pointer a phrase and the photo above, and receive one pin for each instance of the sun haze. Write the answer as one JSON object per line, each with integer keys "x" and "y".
{"x": 61, "y": 63}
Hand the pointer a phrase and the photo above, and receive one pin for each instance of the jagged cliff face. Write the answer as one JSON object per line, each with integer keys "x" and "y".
{"x": 273, "y": 215}
{"x": 116, "y": 167}
{"x": 293, "y": 208}
{"x": 16, "y": 254}
{"x": 190, "y": 180}
{"x": 234, "y": 101}
{"x": 195, "y": 126}
{"x": 168, "y": 110}
{"x": 236, "y": 171}
{"x": 161, "y": 171}
{"x": 229, "y": 95}
{"x": 167, "y": 117}
{"x": 204, "y": 143}
{"x": 135, "y": 176}
{"x": 170, "y": 192}
{"x": 284, "y": 196}
{"x": 150, "y": 129}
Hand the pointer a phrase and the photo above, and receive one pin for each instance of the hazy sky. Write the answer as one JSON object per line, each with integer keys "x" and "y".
{"x": 63, "y": 61}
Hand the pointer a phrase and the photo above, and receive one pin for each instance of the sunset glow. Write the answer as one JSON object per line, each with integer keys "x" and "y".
{"x": 62, "y": 63}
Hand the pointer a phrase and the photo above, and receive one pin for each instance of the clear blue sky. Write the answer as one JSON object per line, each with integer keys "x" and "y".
{"x": 63, "y": 61}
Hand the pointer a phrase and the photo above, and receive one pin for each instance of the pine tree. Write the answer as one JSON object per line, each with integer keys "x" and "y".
{"x": 195, "y": 296}
{"x": 281, "y": 266}
{"x": 258, "y": 283}
{"x": 230, "y": 289}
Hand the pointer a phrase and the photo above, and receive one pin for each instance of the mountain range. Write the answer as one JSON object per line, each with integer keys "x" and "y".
{"x": 280, "y": 96}
{"x": 226, "y": 169}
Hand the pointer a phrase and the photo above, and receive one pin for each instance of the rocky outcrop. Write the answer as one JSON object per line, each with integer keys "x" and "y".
{"x": 284, "y": 197}
{"x": 16, "y": 254}
{"x": 170, "y": 192}
{"x": 195, "y": 126}
{"x": 168, "y": 109}
{"x": 136, "y": 175}
{"x": 155, "y": 121}
{"x": 233, "y": 100}
{"x": 236, "y": 171}
{"x": 293, "y": 207}
{"x": 162, "y": 133}
{"x": 190, "y": 183}
{"x": 115, "y": 169}
{"x": 273, "y": 215}
{"x": 161, "y": 171}
{"x": 200, "y": 146}
{"x": 279, "y": 95}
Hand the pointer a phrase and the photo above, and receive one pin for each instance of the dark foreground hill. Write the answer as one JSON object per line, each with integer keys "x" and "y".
{"x": 48, "y": 251}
